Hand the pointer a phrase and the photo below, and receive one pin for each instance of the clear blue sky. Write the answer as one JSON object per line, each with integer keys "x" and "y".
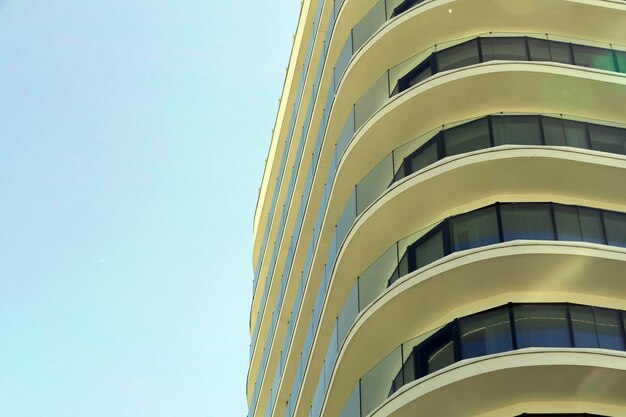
{"x": 133, "y": 135}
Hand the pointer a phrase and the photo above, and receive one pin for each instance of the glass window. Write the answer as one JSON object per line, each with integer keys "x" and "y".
{"x": 607, "y": 139}
{"x": 615, "y": 226}
{"x": 527, "y": 221}
{"x": 429, "y": 250}
{"x": 588, "y": 56}
{"x": 553, "y": 131}
{"x": 441, "y": 357}
{"x": 516, "y": 130}
{"x": 486, "y": 333}
{"x": 478, "y": 228}
{"x": 468, "y": 137}
{"x": 539, "y": 49}
{"x": 560, "y": 52}
{"x": 423, "y": 72}
{"x": 541, "y": 325}
{"x": 621, "y": 60}
{"x": 424, "y": 156}
{"x": 584, "y": 327}
{"x": 591, "y": 225}
{"x": 567, "y": 224}
{"x": 575, "y": 134}
{"x": 458, "y": 56}
{"x": 503, "y": 48}
{"x": 609, "y": 329}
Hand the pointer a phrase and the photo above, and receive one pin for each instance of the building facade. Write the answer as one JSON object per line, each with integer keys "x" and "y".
{"x": 441, "y": 224}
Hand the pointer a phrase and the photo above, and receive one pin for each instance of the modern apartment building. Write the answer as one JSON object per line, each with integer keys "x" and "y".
{"x": 441, "y": 224}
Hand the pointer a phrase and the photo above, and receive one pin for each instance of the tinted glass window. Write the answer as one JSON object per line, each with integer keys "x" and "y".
{"x": 503, "y": 48}
{"x": 458, "y": 56}
{"x": 553, "y": 131}
{"x": 541, "y": 326}
{"x": 560, "y": 52}
{"x": 478, "y": 228}
{"x": 441, "y": 357}
{"x": 527, "y": 221}
{"x": 539, "y": 50}
{"x": 584, "y": 327}
{"x": 429, "y": 250}
{"x": 422, "y": 158}
{"x": 516, "y": 130}
{"x": 421, "y": 74}
{"x": 591, "y": 225}
{"x": 486, "y": 333}
{"x": 609, "y": 329}
{"x": 621, "y": 60}
{"x": 468, "y": 137}
{"x": 607, "y": 139}
{"x": 615, "y": 225}
{"x": 575, "y": 134}
{"x": 588, "y": 56}
{"x": 567, "y": 223}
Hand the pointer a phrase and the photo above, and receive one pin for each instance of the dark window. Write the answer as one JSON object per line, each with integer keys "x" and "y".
{"x": 575, "y": 134}
{"x": 609, "y": 329}
{"x": 428, "y": 250}
{"x": 567, "y": 223}
{"x": 420, "y": 75}
{"x": 541, "y": 325}
{"x": 468, "y": 137}
{"x": 458, "y": 56}
{"x": 588, "y": 56}
{"x": 560, "y": 52}
{"x": 591, "y": 225}
{"x": 478, "y": 228}
{"x": 503, "y": 48}
{"x": 607, "y": 139}
{"x": 615, "y": 225}
{"x": 527, "y": 221}
{"x": 553, "y": 131}
{"x": 539, "y": 49}
{"x": 486, "y": 333}
{"x": 584, "y": 327}
{"x": 621, "y": 60}
{"x": 516, "y": 130}
{"x": 423, "y": 157}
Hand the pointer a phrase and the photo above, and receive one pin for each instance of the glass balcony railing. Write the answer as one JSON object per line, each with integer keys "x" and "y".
{"x": 502, "y": 329}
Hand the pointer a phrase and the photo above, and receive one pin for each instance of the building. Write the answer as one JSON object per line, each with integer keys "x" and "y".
{"x": 441, "y": 226}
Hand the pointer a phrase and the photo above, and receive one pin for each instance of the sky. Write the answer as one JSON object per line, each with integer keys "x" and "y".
{"x": 133, "y": 135}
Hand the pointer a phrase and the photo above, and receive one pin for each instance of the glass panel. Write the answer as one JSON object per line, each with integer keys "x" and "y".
{"x": 373, "y": 185}
{"x": 609, "y": 329}
{"x": 588, "y": 56}
{"x": 478, "y": 228}
{"x": 608, "y": 139}
{"x": 591, "y": 225}
{"x": 615, "y": 226}
{"x": 468, "y": 137}
{"x": 343, "y": 60}
{"x": 567, "y": 224}
{"x": 503, "y": 48}
{"x": 423, "y": 158}
{"x": 584, "y": 327}
{"x": 371, "y": 101}
{"x": 516, "y": 130}
{"x": 429, "y": 250}
{"x": 415, "y": 77}
{"x": 353, "y": 406}
{"x": 527, "y": 221}
{"x": 539, "y": 50}
{"x": 458, "y": 56}
{"x": 348, "y": 314}
{"x": 541, "y": 326}
{"x": 553, "y": 131}
{"x": 375, "y": 384}
{"x": 486, "y": 333}
{"x": 318, "y": 397}
{"x": 368, "y": 25}
{"x": 560, "y": 52}
{"x": 575, "y": 134}
{"x": 373, "y": 281}
{"x": 621, "y": 60}
{"x": 441, "y": 357}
